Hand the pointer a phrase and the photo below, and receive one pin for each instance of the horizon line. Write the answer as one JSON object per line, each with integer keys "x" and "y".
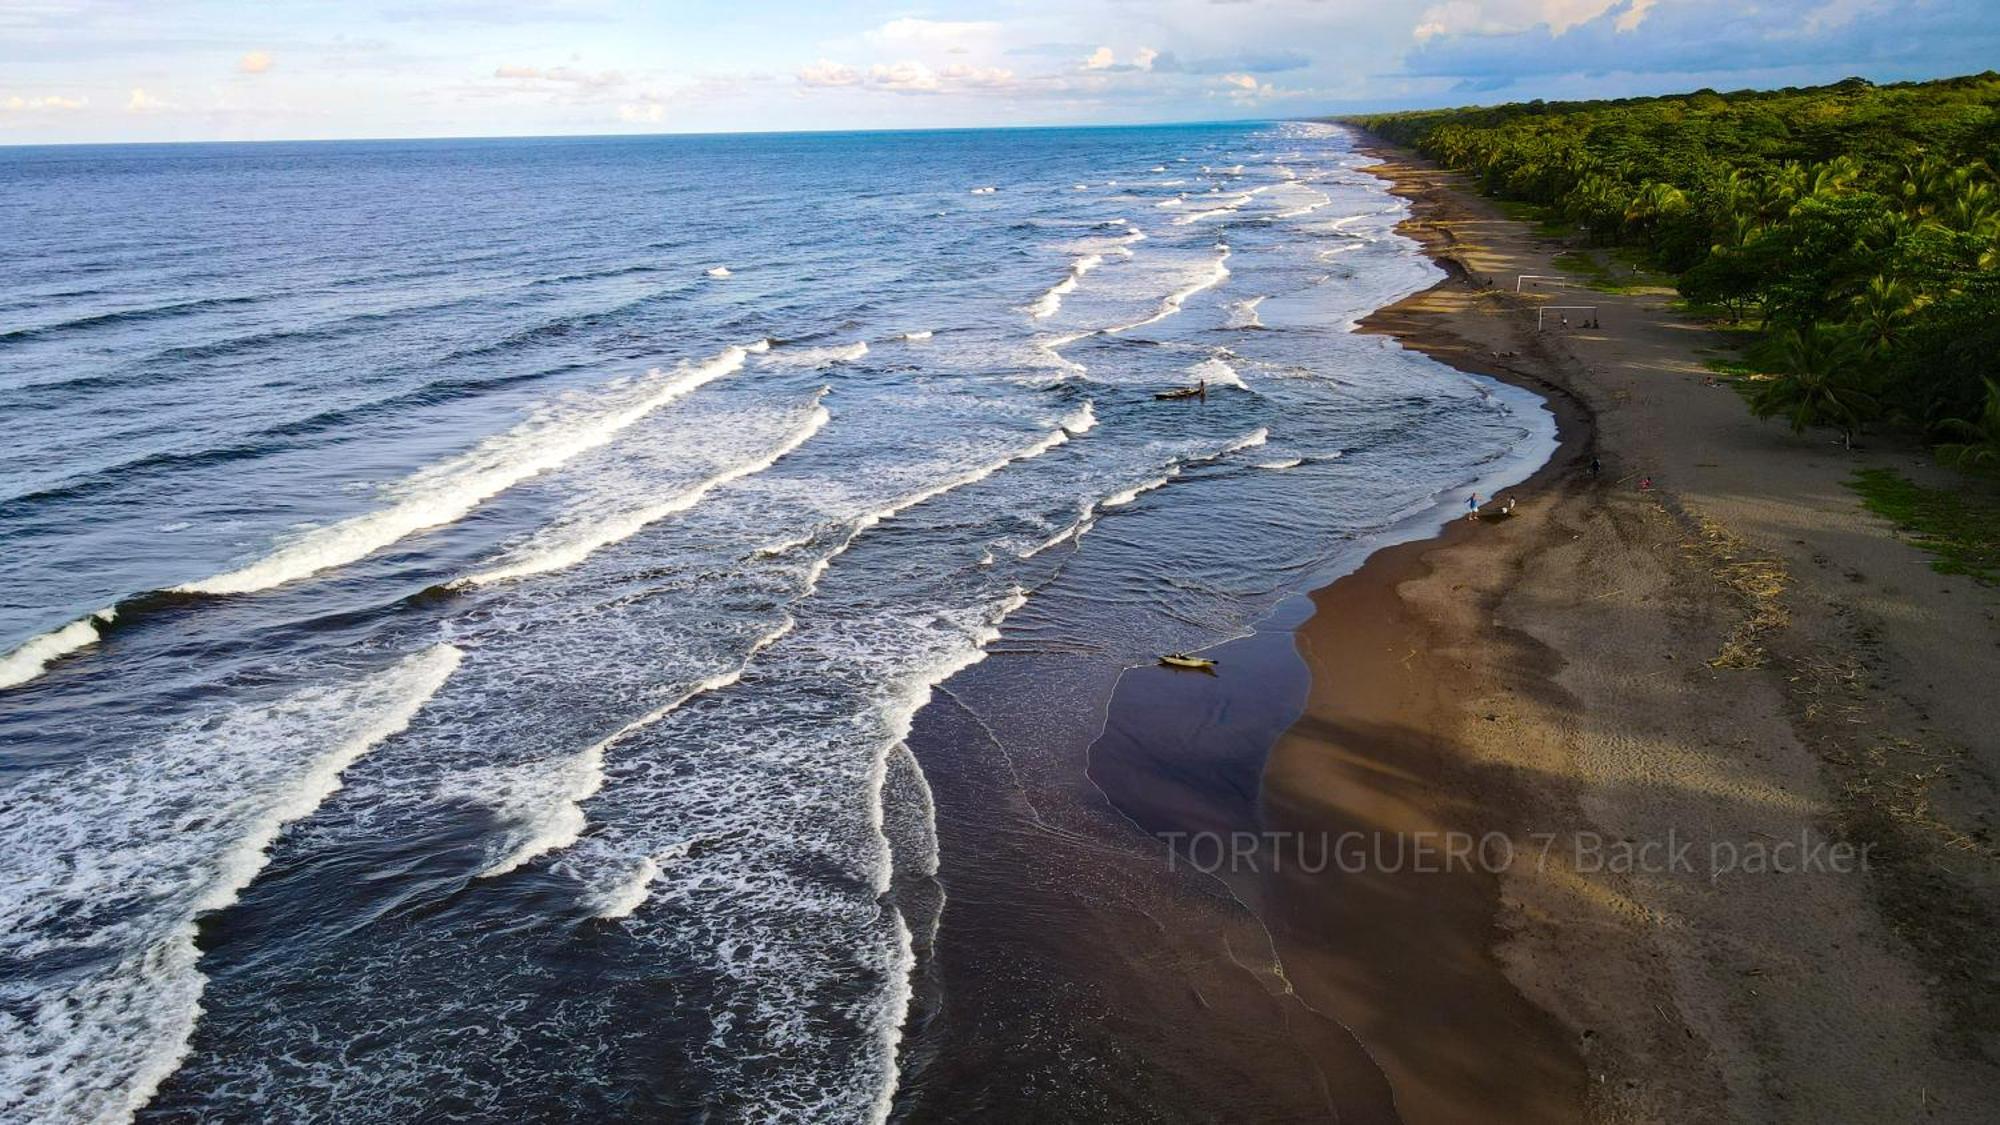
{"x": 1179, "y": 124}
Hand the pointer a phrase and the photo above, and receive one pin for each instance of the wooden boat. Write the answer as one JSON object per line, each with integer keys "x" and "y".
{"x": 1183, "y": 660}
{"x": 1184, "y": 392}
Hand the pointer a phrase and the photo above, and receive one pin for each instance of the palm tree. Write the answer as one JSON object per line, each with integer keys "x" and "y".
{"x": 1821, "y": 385}
{"x": 1981, "y": 446}
{"x": 1654, "y": 202}
{"x": 1881, "y": 310}
{"x": 1769, "y": 199}
{"x": 1923, "y": 184}
{"x": 1737, "y": 231}
{"x": 1971, "y": 206}
{"x": 1834, "y": 176}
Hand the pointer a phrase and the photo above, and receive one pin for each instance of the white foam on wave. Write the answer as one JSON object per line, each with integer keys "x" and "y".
{"x": 1086, "y": 518}
{"x": 1077, "y": 422}
{"x": 1217, "y": 372}
{"x": 1288, "y": 463}
{"x": 540, "y": 803}
{"x": 923, "y": 334}
{"x": 105, "y": 865}
{"x": 984, "y": 190}
{"x": 826, "y": 356}
{"x": 1243, "y": 314}
{"x": 34, "y": 655}
{"x": 902, "y": 712}
{"x": 1250, "y": 440}
{"x": 1052, "y": 347}
{"x": 445, "y": 492}
{"x": 1126, "y": 496}
{"x": 783, "y": 547}
{"x": 1225, "y": 209}
{"x": 1050, "y": 302}
{"x": 1080, "y": 421}
{"x": 720, "y": 271}
{"x": 568, "y": 544}
{"x": 625, "y": 895}
{"x": 1325, "y": 200}
{"x": 1216, "y": 274}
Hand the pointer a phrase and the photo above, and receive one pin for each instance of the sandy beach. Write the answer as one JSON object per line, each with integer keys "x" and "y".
{"x": 1734, "y": 658}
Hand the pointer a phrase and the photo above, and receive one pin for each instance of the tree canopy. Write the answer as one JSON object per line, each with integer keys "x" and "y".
{"x": 1864, "y": 219}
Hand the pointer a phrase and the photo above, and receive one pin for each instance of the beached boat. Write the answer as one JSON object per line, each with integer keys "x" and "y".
{"x": 1182, "y": 660}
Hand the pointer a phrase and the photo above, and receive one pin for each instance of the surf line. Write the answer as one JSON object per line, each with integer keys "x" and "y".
{"x": 433, "y": 496}
{"x": 588, "y": 540}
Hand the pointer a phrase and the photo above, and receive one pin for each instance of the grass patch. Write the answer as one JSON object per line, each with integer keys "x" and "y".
{"x": 1625, "y": 277}
{"x": 1584, "y": 265}
{"x": 1961, "y": 531}
{"x": 1546, "y": 222}
{"x": 1587, "y": 267}
{"x": 1740, "y": 366}
{"x": 1637, "y": 265}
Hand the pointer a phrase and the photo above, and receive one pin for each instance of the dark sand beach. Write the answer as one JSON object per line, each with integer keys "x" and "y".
{"x": 1605, "y": 665}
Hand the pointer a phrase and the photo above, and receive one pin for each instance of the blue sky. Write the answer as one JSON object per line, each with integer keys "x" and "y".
{"x": 120, "y": 70}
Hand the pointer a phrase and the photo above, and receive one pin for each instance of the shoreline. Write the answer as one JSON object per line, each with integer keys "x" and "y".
{"x": 1604, "y": 664}
{"x": 1507, "y": 1059}
{"x": 1415, "y": 968}
{"x": 1526, "y": 676}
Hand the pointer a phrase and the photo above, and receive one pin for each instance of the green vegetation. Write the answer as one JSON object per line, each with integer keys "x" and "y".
{"x": 1857, "y": 227}
{"x": 1621, "y": 275}
{"x": 1960, "y": 528}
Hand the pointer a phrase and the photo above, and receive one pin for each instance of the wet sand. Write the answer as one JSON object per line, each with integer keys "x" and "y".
{"x": 1737, "y": 655}
{"x": 1733, "y": 657}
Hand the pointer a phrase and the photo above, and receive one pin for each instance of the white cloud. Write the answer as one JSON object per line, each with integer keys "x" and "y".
{"x": 642, "y": 113}
{"x": 47, "y": 103}
{"x": 1104, "y": 58}
{"x": 254, "y": 62}
{"x": 563, "y": 75}
{"x": 143, "y": 102}
{"x": 827, "y": 73}
{"x": 907, "y": 32}
{"x": 1632, "y": 17}
{"x": 904, "y": 77}
{"x": 978, "y": 77}
{"x": 1245, "y": 89}
{"x": 909, "y": 77}
{"x": 1836, "y": 14}
{"x": 1501, "y": 17}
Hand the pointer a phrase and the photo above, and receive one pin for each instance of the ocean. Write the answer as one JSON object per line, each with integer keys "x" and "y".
{"x": 465, "y": 602}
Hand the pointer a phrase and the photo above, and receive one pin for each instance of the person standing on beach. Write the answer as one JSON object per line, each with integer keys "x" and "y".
{"x": 1472, "y": 506}
{"x": 1596, "y": 466}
